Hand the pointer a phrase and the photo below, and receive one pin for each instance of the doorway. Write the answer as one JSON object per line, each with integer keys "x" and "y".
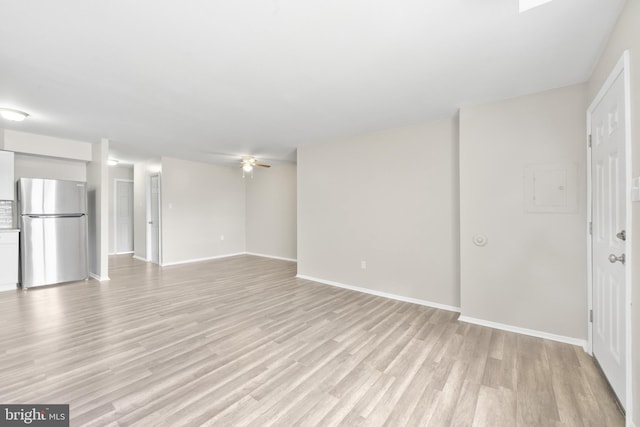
{"x": 123, "y": 224}
{"x": 609, "y": 179}
{"x": 153, "y": 220}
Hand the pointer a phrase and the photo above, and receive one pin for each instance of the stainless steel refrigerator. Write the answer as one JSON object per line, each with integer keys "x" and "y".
{"x": 53, "y": 231}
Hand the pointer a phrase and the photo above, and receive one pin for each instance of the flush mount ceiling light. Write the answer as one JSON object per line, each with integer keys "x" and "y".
{"x": 530, "y": 4}
{"x": 13, "y": 115}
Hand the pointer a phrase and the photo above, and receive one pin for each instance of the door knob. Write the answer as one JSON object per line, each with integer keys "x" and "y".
{"x": 622, "y": 235}
{"x": 613, "y": 258}
{"x": 151, "y": 222}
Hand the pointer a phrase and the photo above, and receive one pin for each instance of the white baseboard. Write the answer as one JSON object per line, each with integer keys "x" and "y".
{"x": 525, "y": 331}
{"x": 121, "y": 253}
{"x": 271, "y": 256}
{"x": 381, "y": 294}
{"x": 99, "y": 278}
{"x": 8, "y": 287}
{"x": 189, "y": 261}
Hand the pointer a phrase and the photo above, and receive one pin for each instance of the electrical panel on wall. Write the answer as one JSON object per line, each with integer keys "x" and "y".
{"x": 551, "y": 188}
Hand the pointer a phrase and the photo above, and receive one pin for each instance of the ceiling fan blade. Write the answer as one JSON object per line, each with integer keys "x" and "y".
{"x": 264, "y": 166}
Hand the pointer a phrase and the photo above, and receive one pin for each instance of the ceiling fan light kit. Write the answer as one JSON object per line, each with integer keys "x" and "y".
{"x": 13, "y": 115}
{"x": 248, "y": 163}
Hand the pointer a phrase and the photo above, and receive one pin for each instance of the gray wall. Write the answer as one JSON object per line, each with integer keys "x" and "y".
{"x": 48, "y": 146}
{"x": 30, "y": 166}
{"x": 40, "y": 156}
{"x": 390, "y": 199}
{"x": 532, "y": 272}
{"x": 200, "y": 203}
{"x": 627, "y": 36}
{"x": 271, "y": 211}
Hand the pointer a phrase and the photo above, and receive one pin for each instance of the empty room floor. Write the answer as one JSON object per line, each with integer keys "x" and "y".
{"x": 240, "y": 341}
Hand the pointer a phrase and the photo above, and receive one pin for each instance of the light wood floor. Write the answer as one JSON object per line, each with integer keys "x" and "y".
{"x": 242, "y": 342}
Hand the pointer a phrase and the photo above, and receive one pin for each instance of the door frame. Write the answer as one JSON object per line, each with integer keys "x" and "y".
{"x": 115, "y": 214}
{"x": 148, "y": 217}
{"x": 621, "y": 68}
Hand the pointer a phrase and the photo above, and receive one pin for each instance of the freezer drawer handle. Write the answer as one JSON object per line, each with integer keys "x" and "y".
{"x": 57, "y": 216}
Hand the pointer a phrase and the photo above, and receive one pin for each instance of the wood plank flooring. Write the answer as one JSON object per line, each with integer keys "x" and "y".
{"x": 241, "y": 342}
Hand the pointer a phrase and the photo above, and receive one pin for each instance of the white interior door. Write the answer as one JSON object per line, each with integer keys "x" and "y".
{"x": 154, "y": 218}
{"x": 609, "y": 198}
{"x": 124, "y": 216}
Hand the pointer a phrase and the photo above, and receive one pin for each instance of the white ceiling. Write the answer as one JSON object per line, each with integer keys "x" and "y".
{"x": 193, "y": 78}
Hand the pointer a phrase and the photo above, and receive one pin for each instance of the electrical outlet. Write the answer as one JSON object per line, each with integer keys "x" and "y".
{"x": 363, "y": 265}
{"x": 222, "y": 237}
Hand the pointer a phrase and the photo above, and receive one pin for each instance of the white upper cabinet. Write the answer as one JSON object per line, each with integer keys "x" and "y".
{"x": 7, "y": 184}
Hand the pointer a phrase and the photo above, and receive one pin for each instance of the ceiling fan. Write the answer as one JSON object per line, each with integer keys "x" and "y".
{"x": 249, "y": 162}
